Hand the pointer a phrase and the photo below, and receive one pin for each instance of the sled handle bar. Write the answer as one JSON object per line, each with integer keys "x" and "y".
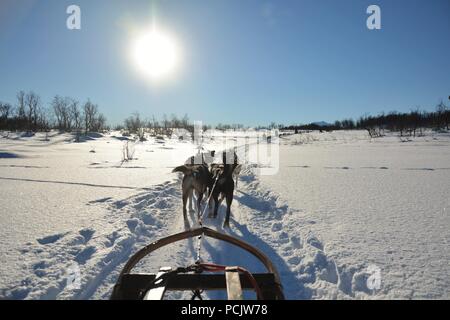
{"x": 138, "y": 256}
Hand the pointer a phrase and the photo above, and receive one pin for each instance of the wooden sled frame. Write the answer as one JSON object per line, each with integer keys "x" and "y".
{"x": 130, "y": 286}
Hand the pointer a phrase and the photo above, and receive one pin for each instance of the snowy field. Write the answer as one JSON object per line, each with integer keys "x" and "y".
{"x": 340, "y": 205}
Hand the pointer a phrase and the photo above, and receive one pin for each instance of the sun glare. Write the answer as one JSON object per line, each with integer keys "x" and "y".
{"x": 155, "y": 54}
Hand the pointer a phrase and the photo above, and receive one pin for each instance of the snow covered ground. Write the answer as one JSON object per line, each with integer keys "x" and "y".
{"x": 382, "y": 202}
{"x": 341, "y": 206}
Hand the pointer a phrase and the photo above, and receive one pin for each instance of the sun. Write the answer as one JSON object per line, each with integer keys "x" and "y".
{"x": 155, "y": 54}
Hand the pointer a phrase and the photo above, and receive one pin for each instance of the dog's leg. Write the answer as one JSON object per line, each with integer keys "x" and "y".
{"x": 185, "y": 189}
{"x": 222, "y": 196}
{"x": 199, "y": 203}
{"x": 229, "y": 199}
{"x": 185, "y": 198}
{"x": 216, "y": 204}
{"x": 210, "y": 207}
{"x": 191, "y": 192}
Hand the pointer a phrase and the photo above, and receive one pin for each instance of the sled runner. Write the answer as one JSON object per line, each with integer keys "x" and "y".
{"x": 199, "y": 276}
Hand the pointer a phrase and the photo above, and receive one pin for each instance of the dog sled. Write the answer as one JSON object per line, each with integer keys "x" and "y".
{"x": 199, "y": 276}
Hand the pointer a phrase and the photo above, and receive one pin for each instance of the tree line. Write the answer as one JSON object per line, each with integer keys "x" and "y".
{"x": 62, "y": 113}
{"x": 69, "y": 115}
{"x": 134, "y": 123}
{"x": 406, "y": 123}
{"x": 409, "y": 123}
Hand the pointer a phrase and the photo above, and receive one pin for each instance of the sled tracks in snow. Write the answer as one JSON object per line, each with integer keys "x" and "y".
{"x": 96, "y": 254}
{"x": 85, "y": 264}
{"x": 263, "y": 219}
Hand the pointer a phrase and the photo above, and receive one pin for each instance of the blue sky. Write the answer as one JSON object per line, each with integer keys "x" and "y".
{"x": 243, "y": 61}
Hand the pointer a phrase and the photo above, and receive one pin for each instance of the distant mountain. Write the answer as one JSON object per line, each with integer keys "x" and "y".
{"x": 321, "y": 124}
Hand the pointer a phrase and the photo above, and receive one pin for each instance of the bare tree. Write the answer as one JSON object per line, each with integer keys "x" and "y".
{"x": 32, "y": 102}
{"x": 185, "y": 121}
{"x": 165, "y": 122}
{"x": 59, "y": 106}
{"x": 99, "y": 123}
{"x": 443, "y": 117}
{"x": 75, "y": 115}
{"x": 44, "y": 120}
{"x": 5, "y": 112}
{"x": 90, "y": 111}
{"x": 21, "y": 105}
{"x": 174, "y": 121}
{"x": 155, "y": 125}
{"x": 75, "y": 118}
{"x": 133, "y": 123}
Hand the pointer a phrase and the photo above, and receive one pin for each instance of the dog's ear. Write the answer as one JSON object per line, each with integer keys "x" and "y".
{"x": 217, "y": 169}
{"x": 183, "y": 169}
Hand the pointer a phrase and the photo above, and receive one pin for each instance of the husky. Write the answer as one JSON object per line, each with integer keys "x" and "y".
{"x": 223, "y": 185}
{"x": 196, "y": 177}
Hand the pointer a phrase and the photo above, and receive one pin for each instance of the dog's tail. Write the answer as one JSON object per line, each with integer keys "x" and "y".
{"x": 183, "y": 169}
